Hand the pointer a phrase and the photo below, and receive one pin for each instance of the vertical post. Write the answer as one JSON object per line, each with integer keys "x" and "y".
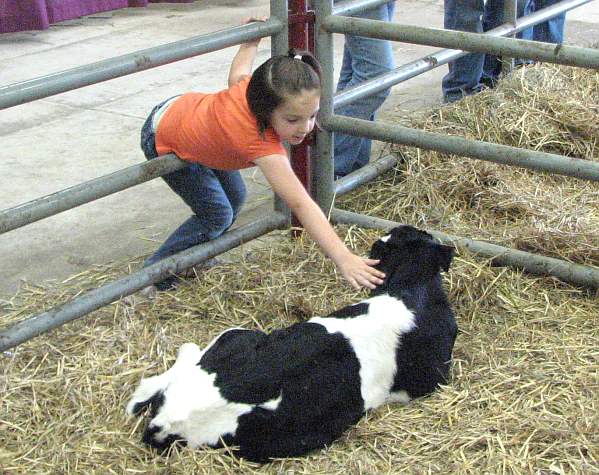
{"x": 279, "y": 45}
{"x": 299, "y": 28}
{"x": 311, "y": 45}
{"x": 322, "y": 181}
{"x": 510, "y": 15}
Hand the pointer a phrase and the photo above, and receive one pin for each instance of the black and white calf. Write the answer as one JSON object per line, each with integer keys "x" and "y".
{"x": 297, "y": 389}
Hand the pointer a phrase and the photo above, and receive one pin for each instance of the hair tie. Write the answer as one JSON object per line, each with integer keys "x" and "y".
{"x": 298, "y": 56}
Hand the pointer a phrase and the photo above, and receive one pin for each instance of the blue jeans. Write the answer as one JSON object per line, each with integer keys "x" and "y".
{"x": 363, "y": 59}
{"x": 551, "y": 31}
{"x": 214, "y": 196}
{"x": 469, "y": 73}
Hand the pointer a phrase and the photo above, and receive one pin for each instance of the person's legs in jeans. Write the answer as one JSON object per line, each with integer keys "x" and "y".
{"x": 465, "y": 72}
{"x": 525, "y": 7}
{"x": 346, "y": 73}
{"x": 492, "y": 18}
{"x": 550, "y": 31}
{"x": 214, "y": 196}
{"x": 363, "y": 59}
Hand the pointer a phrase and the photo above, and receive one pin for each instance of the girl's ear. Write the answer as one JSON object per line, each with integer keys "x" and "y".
{"x": 378, "y": 250}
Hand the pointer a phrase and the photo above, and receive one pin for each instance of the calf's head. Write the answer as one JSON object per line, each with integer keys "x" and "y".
{"x": 409, "y": 256}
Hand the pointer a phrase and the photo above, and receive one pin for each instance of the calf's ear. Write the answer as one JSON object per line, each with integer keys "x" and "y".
{"x": 378, "y": 250}
{"x": 444, "y": 256}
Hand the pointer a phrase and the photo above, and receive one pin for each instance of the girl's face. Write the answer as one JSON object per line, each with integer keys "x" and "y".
{"x": 294, "y": 118}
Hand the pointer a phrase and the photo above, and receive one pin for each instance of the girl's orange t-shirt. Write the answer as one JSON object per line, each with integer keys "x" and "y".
{"x": 217, "y": 130}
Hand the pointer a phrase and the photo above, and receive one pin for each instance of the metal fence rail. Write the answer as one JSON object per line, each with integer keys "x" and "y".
{"x": 503, "y": 154}
{"x": 91, "y": 190}
{"x": 501, "y": 256}
{"x": 479, "y": 42}
{"x": 94, "y": 299}
{"x": 356, "y": 6}
{"x": 45, "y": 86}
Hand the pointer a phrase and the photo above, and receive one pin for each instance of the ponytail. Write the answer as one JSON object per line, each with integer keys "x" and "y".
{"x": 308, "y": 58}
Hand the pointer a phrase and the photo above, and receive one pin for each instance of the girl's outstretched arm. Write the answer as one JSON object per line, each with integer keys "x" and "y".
{"x": 357, "y": 270}
{"x": 243, "y": 61}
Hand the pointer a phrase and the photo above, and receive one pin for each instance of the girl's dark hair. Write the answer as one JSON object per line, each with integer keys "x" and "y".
{"x": 278, "y": 77}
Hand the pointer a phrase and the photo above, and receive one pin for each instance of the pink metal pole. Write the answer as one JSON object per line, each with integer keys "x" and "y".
{"x": 301, "y": 36}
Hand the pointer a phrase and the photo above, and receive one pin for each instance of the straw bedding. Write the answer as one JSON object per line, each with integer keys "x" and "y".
{"x": 524, "y": 394}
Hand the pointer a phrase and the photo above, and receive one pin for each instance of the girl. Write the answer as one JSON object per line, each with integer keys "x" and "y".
{"x": 240, "y": 127}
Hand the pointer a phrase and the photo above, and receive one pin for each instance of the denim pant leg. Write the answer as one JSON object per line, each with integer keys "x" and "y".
{"x": 492, "y": 18}
{"x": 525, "y": 7}
{"x": 550, "y": 31}
{"x": 465, "y": 72}
{"x": 214, "y": 196}
{"x": 363, "y": 59}
{"x": 346, "y": 73}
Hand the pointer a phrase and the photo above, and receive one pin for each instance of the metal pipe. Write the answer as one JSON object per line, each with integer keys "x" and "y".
{"x": 38, "y": 88}
{"x": 401, "y": 74}
{"x": 560, "y": 54}
{"x": 279, "y": 12}
{"x": 356, "y": 6}
{"x": 77, "y": 195}
{"x": 323, "y": 170}
{"x": 501, "y": 256}
{"x": 444, "y": 56}
{"x": 510, "y": 16}
{"x": 300, "y": 155}
{"x": 363, "y": 175}
{"x": 94, "y": 299}
{"x": 280, "y": 45}
{"x": 510, "y": 12}
{"x": 546, "y": 162}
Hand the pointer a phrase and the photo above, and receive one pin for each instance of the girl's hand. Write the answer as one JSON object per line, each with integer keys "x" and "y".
{"x": 252, "y": 19}
{"x": 359, "y": 271}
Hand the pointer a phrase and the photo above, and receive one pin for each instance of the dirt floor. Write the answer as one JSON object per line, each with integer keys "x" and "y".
{"x": 58, "y": 142}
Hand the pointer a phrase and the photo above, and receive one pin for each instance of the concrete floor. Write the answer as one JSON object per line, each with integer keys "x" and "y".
{"x": 58, "y": 142}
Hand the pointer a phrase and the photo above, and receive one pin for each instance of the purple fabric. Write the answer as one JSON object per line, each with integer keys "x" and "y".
{"x": 18, "y": 15}
{"x": 59, "y": 10}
